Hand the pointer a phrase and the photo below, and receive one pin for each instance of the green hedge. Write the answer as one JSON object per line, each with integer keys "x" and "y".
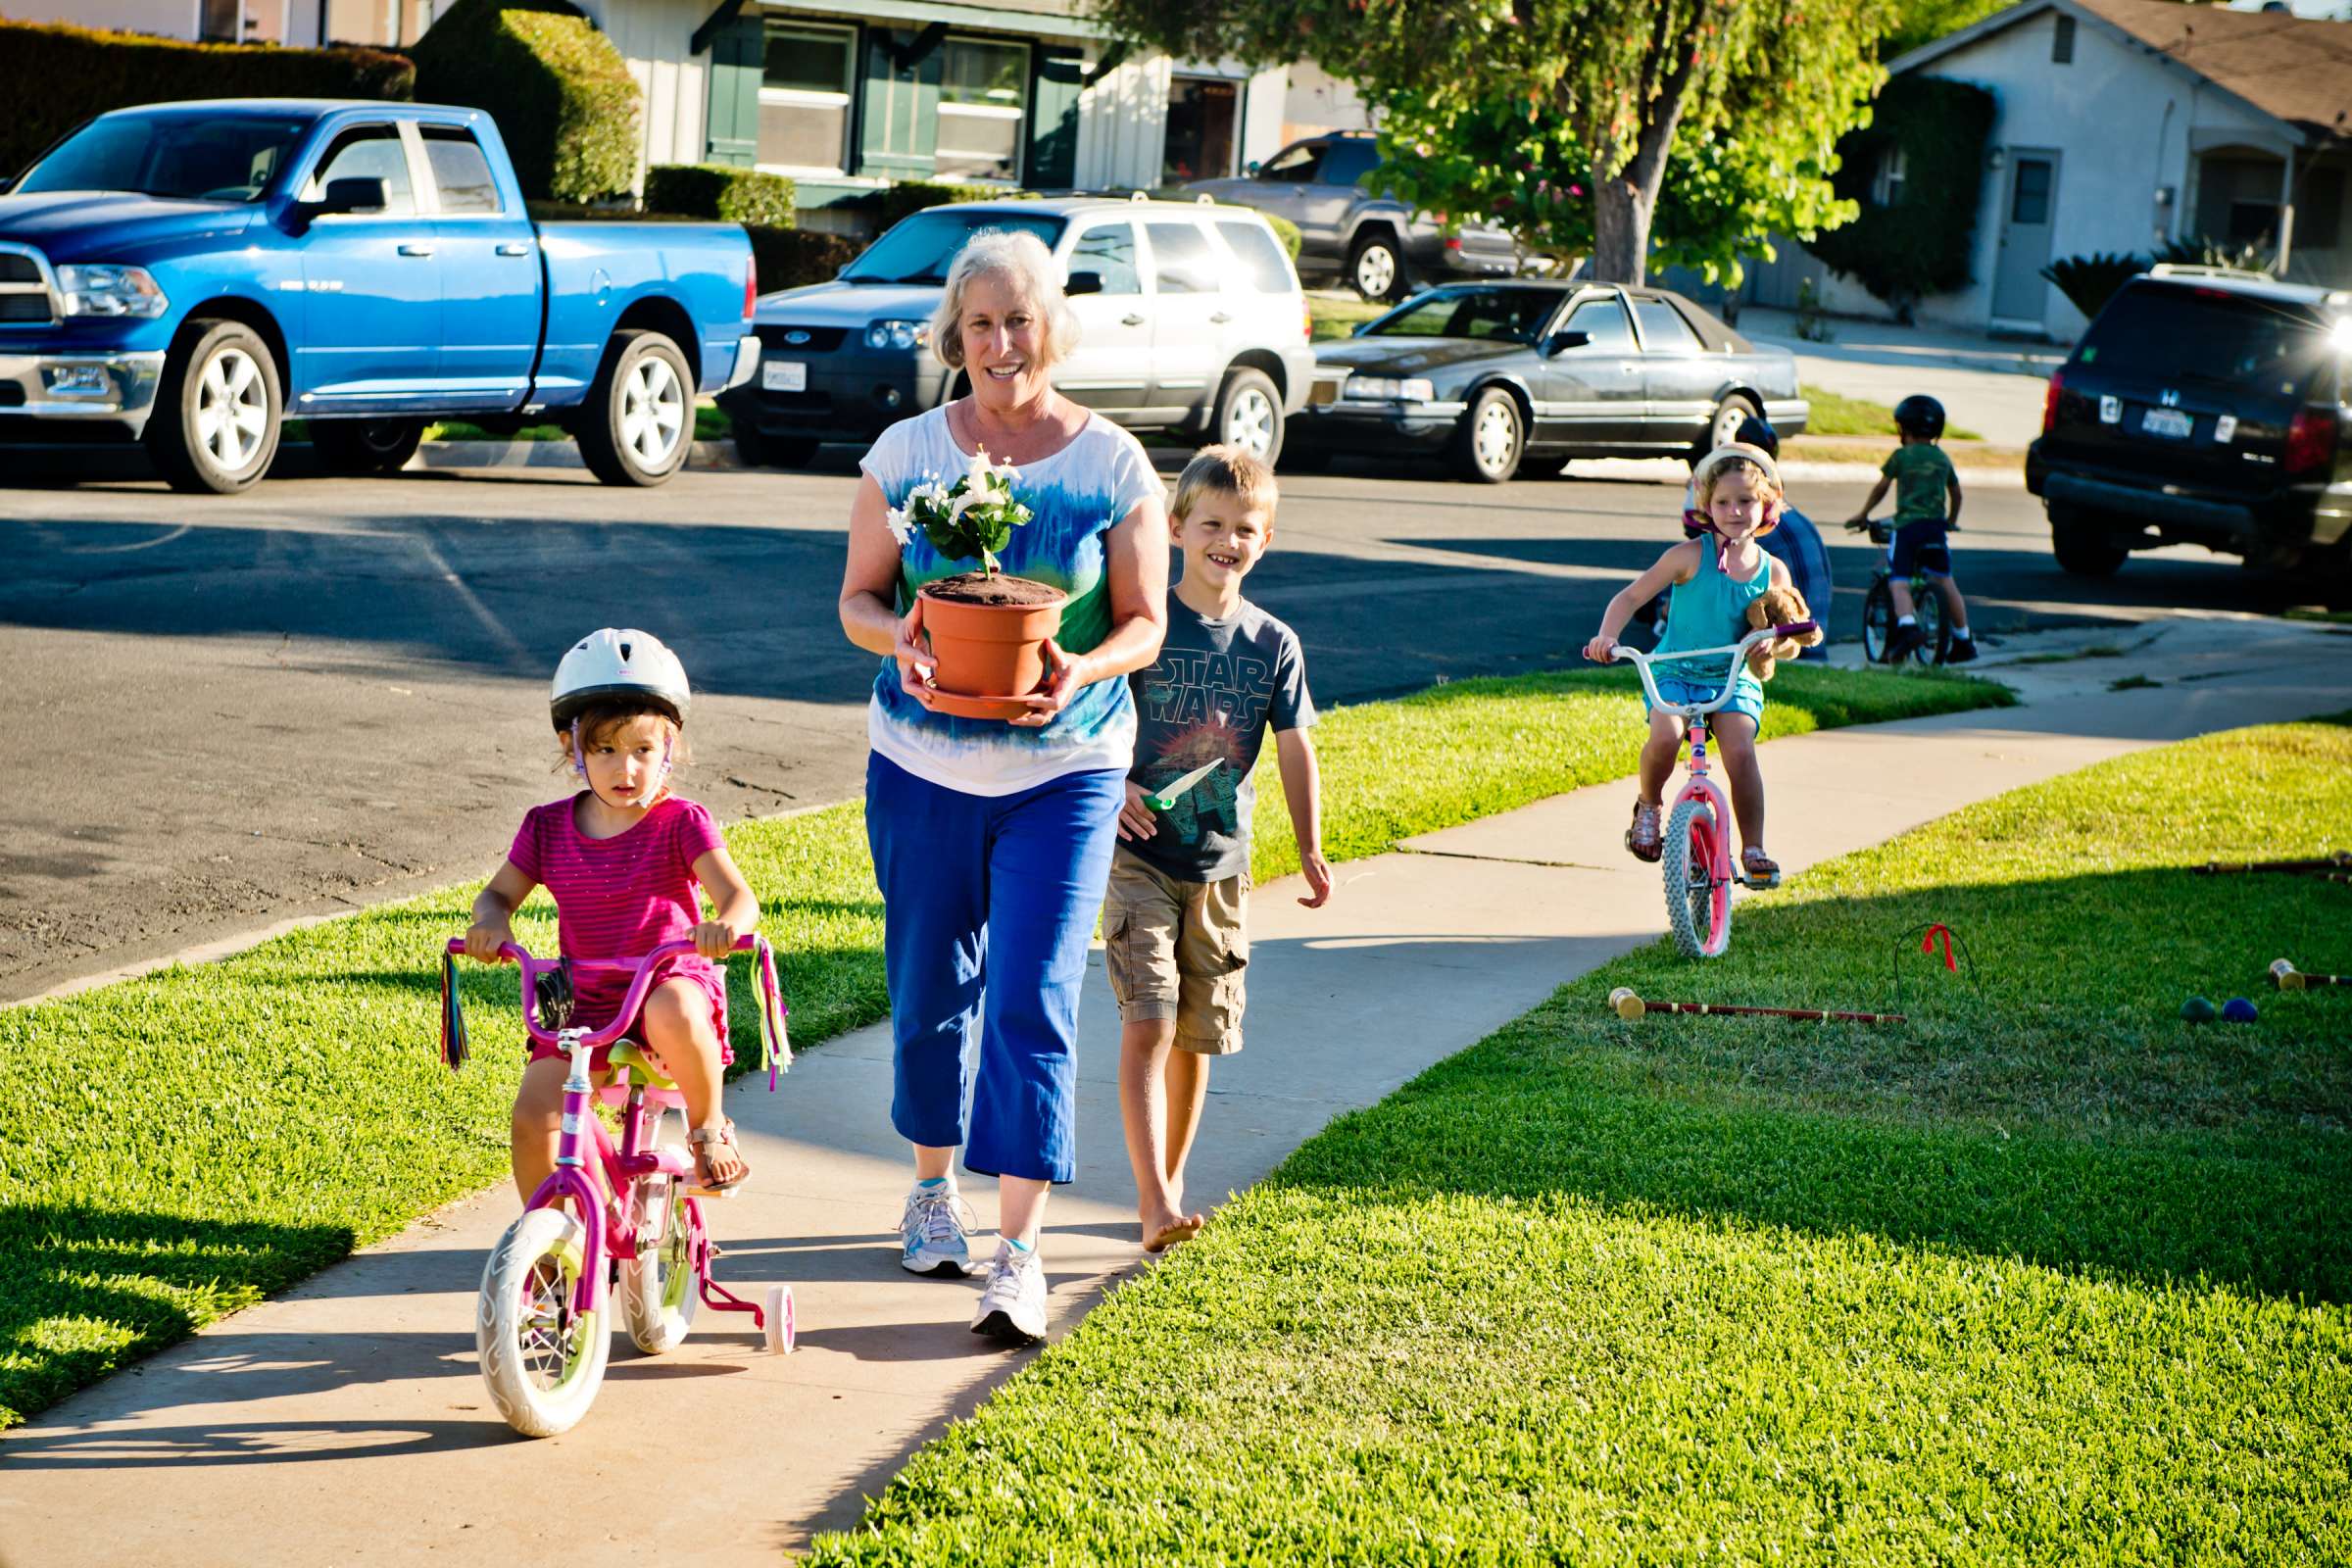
{"x": 1285, "y": 232}
{"x": 911, "y": 196}
{"x": 1920, "y": 244}
{"x": 54, "y": 78}
{"x": 561, "y": 95}
{"x": 788, "y": 258}
{"x": 717, "y": 190}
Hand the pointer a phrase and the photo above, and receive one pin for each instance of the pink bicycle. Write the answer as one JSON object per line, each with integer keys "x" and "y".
{"x": 1698, "y": 862}
{"x": 542, "y": 1327}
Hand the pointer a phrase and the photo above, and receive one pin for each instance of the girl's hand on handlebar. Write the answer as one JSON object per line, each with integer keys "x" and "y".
{"x": 915, "y": 664}
{"x": 714, "y": 938}
{"x": 1599, "y": 650}
{"x": 484, "y": 938}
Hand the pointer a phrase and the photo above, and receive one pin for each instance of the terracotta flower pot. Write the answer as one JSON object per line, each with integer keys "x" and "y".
{"x": 989, "y": 650}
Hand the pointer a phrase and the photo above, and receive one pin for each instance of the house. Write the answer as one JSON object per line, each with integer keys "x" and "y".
{"x": 847, "y": 96}
{"x": 302, "y": 23}
{"x": 2120, "y": 126}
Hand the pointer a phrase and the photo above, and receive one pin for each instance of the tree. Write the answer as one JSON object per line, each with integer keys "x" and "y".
{"x": 1747, "y": 99}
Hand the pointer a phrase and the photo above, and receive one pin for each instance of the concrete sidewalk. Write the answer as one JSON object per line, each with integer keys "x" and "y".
{"x": 1991, "y": 388}
{"x": 345, "y": 1422}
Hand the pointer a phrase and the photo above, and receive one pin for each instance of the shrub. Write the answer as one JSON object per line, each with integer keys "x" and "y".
{"x": 564, "y": 99}
{"x": 788, "y": 258}
{"x": 2204, "y": 251}
{"x": 1918, "y": 244}
{"x": 2090, "y": 281}
{"x": 54, "y": 78}
{"x": 717, "y": 190}
{"x": 1285, "y": 232}
{"x": 911, "y": 196}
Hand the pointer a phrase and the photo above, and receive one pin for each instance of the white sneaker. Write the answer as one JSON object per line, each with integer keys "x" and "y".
{"x": 932, "y": 1233}
{"x": 1013, "y": 1304}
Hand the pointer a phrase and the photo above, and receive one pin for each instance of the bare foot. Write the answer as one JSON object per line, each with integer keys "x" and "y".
{"x": 1164, "y": 1228}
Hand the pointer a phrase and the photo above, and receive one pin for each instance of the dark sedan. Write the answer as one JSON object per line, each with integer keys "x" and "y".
{"x": 1488, "y": 376}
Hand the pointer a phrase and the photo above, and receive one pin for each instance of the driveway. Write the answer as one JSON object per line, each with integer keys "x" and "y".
{"x": 1991, "y": 388}
{"x": 324, "y": 694}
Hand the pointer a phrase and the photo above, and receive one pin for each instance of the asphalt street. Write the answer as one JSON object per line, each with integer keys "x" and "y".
{"x": 231, "y": 711}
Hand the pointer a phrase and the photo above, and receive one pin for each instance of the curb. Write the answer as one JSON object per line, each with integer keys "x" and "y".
{"x": 549, "y": 455}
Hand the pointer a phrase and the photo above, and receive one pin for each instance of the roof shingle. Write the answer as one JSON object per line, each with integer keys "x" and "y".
{"x": 2298, "y": 69}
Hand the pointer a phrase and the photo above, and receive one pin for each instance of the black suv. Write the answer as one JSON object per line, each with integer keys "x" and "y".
{"x": 2203, "y": 407}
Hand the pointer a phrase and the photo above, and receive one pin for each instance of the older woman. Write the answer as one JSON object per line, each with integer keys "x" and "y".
{"x": 991, "y": 839}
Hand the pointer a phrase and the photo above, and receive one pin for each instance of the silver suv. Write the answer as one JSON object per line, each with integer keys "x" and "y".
{"x": 1191, "y": 319}
{"x": 1380, "y": 247}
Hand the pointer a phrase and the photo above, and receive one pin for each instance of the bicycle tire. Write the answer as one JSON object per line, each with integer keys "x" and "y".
{"x": 1877, "y": 621}
{"x": 511, "y": 1329}
{"x": 1699, "y": 908}
{"x": 1930, "y": 605}
{"x": 656, "y": 1288}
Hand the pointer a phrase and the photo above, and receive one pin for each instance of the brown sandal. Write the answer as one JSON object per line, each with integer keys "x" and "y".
{"x": 1760, "y": 870}
{"x": 702, "y": 1139}
{"x": 1646, "y": 838}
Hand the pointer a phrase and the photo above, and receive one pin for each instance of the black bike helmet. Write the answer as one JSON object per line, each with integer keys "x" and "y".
{"x": 1754, "y": 432}
{"x": 1921, "y": 416}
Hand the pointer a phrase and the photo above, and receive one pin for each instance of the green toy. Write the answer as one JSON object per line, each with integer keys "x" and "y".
{"x": 2197, "y": 1010}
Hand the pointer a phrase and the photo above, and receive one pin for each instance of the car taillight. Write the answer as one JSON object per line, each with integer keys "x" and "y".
{"x": 2310, "y": 440}
{"x": 751, "y": 287}
{"x": 2050, "y": 400}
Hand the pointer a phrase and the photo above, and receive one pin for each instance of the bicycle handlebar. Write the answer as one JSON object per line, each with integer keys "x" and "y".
{"x": 640, "y": 982}
{"x": 1730, "y": 674}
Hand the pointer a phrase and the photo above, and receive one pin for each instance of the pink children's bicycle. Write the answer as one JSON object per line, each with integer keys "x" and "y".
{"x": 1698, "y": 862}
{"x": 543, "y": 1327}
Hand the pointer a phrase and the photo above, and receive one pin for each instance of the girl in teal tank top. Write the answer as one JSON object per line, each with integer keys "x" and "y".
{"x": 1714, "y": 578}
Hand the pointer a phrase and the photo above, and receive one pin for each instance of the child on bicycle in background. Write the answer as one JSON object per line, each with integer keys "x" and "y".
{"x": 1714, "y": 577}
{"x": 1927, "y": 507}
{"x": 623, "y": 858}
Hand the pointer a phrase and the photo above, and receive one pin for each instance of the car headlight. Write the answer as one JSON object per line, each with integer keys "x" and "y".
{"x": 901, "y": 335}
{"x": 110, "y": 291}
{"x": 1388, "y": 389}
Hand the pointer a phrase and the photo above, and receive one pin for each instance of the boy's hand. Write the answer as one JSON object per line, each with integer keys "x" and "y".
{"x": 1136, "y": 820}
{"x": 1598, "y": 650}
{"x": 714, "y": 938}
{"x": 483, "y": 939}
{"x": 1318, "y": 877}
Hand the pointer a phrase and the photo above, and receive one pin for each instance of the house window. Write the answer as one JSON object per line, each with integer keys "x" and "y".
{"x": 396, "y": 24}
{"x": 804, "y": 98}
{"x": 1887, "y": 184}
{"x": 1202, "y": 115}
{"x": 243, "y": 21}
{"x": 2062, "y": 42}
{"x": 983, "y": 97}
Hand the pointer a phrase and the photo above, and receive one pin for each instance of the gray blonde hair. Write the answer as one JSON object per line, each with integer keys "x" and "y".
{"x": 1020, "y": 258}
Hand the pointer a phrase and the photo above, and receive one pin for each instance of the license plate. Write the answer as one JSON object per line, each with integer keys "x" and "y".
{"x": 2169, "y": 424}
{"x": 783, "y": 375}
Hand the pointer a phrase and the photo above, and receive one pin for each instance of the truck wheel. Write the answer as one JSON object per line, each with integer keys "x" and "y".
{"x": 1376, "y": 267}
{"x": 639, "y": 420}
{"x": 1492, "y": 437}
{"x": 1249, "y": 415}
{"x": 218, "y": 411}
{"x": 366, "y": 446}
{"x": 2083, "y": 547}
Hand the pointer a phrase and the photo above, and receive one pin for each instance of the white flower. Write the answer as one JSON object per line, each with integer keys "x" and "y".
{"x": 902, "y": 528}
{"x": 975, "y": 477}
{"x": 965, "y": 502}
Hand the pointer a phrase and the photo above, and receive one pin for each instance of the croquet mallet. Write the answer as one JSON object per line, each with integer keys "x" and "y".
{"x": 1629, "y": 1007}
{"x": 2290, "y": 978}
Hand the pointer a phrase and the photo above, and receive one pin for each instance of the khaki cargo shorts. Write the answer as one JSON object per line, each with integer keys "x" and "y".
{"x": 1178, "y": 950}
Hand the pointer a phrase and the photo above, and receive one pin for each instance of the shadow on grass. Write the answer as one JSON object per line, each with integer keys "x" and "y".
{"x": 2059, "y": 1113}
{"x": 150, "y": 1279}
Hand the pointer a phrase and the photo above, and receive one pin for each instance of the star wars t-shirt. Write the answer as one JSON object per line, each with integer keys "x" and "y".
{"x": 1217, "y": 687}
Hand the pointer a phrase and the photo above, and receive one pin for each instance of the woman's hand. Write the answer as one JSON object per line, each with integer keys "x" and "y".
{"x": 916, "y": 665}
{"x": 1065, "y": 676}
{"x": 1136, "y": 820}
{"x": 714, "y": 938}
{"x": 484, "y": 938}
{"x": 1599, "y": 649}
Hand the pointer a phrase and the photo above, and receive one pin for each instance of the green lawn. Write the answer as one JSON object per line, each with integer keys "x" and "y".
{"x": 1335, "y": 313}
{"x": 710, "y": 423}
{"x": 1834, "y": 414}
{"x": 179, "y": 1146}
{"x": 2044, "y": 1276}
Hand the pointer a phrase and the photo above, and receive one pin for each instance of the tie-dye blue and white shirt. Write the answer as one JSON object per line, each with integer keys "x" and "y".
{"x": 1077, "y": 495}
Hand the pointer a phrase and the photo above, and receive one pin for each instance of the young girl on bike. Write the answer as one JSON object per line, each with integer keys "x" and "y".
{"x": 623, "y": 857}
{"x": 1713, "y": 576}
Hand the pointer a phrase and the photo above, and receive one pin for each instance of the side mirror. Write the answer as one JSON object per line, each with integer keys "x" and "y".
{"x": 1083, "y": 284}
{"x": 1566, "y": 339}
{"x": 1251, "y": 167}
{"x": 357, "y": 195}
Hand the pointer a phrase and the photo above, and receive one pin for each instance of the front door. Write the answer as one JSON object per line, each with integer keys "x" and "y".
{"x": 490, "y": 269}
{"x": 2020, "y": 293}
{"x": 1111, "y": 368}
{"x": 371, "y": 339}
{"x": 1591, "y": 393}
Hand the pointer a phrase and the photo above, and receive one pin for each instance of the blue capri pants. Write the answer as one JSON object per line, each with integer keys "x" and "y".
{"x": 989, "y": 903}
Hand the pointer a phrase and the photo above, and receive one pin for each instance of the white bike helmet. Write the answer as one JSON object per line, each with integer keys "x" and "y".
{"x": 616, "y": 663}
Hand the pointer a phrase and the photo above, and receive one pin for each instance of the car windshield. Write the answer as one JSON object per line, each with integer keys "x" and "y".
{"x": 1517, "y": 314}
{"x": 2207, "y": 335}
{"x": 920, "y": 249}
{"x": 210, "y": 158}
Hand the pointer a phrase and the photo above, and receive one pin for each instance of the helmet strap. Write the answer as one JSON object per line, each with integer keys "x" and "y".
{"x": 579, "y": 754}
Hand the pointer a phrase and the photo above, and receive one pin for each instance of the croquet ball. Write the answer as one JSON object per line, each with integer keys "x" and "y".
{"x": 2197, "y": 1010}
{"x": 2237, "y": 1010}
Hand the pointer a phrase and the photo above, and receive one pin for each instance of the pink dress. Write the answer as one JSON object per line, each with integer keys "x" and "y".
{"x": 620, "y": 898}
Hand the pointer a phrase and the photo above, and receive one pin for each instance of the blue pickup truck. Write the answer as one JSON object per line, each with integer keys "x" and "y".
{"x": 193, "y": 275}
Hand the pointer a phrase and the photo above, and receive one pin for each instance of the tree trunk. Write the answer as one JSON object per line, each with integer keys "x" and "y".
{"x": 1621, "y": 213}
{"x": 1624, "y": 200}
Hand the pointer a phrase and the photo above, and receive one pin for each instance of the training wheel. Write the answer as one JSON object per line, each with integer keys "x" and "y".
{"x": 778, "y": 1324}
{"x": 1626, "y": 1005}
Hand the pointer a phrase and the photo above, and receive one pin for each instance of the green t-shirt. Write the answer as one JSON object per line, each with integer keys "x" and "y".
{"x": 1921, "y": 473}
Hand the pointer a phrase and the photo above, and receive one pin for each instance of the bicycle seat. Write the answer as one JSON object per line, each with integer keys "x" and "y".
{"x": 640, "y": 1073}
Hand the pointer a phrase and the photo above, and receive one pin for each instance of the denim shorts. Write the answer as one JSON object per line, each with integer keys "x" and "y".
{"x": 1748, "y": 695}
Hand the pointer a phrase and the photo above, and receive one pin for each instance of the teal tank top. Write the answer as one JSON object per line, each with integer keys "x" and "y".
{"x": 1709, "y": 612}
